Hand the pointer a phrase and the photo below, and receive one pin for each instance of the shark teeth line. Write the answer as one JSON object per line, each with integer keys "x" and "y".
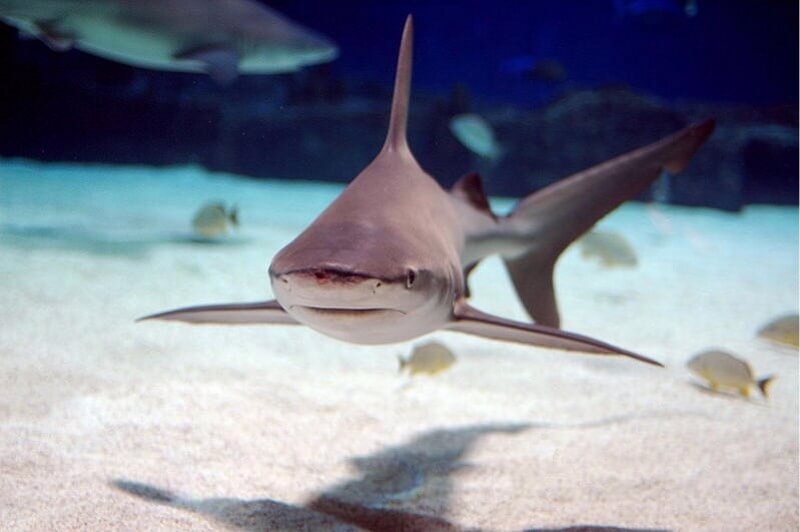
{"x": 345, "y": 310}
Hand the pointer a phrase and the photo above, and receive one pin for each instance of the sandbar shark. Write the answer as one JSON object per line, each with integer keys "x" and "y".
{"x": 220, "y": 37}
{"x": 388, "y": 260}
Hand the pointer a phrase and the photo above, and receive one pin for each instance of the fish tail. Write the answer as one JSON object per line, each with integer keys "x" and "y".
{"x": 555, "y": 216}
{"x": 764, "y": 384}
{"x": 234, "y": 216}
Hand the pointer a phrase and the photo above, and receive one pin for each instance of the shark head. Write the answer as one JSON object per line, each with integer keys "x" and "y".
{"x": 340, "y": 287}
{"x": 282, "y": 46}
{"x": 364, "y": 271}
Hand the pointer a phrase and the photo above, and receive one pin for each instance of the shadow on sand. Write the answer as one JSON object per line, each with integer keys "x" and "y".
{"x": 405, "y": 487}
{"x": 413, "y": 474}
{"x": 79, "y": 240}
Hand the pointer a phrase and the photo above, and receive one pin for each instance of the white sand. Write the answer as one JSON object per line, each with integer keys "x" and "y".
{"x": 108, "y": 424}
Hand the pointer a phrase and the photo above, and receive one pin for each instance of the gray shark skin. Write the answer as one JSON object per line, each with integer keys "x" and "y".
{"x": 387, "y": 261}
{"x": 220, "y": 37}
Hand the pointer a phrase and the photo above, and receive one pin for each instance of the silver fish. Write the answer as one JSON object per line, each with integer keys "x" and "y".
{"x": 213, "y": 219}
{"x": 724, "y": 370}
{"x": 476, "y": 134}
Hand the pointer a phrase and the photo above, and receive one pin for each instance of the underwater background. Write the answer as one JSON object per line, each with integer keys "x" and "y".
{"x": 563, "y": 85}
{"x": 126, "y": 191}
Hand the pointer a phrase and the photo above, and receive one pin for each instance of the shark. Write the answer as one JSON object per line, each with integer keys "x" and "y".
{"x": 218, "y": 37}
{"x": 389, "y": 259}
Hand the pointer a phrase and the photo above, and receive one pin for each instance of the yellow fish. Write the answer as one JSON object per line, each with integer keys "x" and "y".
{"x": 781, "y": 330}
{"x": 212, "y": 219}
{"x": 430, "y": 358}
{"x": 610, "y": 247}
{"x": 723, "y": 370}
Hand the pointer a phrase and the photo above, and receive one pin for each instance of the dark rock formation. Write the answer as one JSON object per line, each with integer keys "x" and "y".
{"x": 751, "y": 158}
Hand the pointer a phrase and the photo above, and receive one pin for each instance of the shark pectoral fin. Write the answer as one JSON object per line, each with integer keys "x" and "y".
{"x": 469, "y": 320}
{"x": 221, "y": 63}
{"x": 229, "y": 314}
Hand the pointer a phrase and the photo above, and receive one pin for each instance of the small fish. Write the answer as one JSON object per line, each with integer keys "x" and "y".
{"x": 430, "y": 358}
{"x": 783, "y": 330}
{"x": 610, "y": 247}
{"x": 476, "y": 135}
{"x": 212, "y": 219}
{"x": 722, "y": 369}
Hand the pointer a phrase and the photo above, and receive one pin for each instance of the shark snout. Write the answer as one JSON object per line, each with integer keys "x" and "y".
{"x": 333, "y": 288}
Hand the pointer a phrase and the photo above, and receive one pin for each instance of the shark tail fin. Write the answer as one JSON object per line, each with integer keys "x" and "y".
{"x": 396, "y": 138}
{"x": 532, "y": 276}
{"x": 552, "y": 218}
{"x": 764, "y": 384}
{"x": 684, "y": 144}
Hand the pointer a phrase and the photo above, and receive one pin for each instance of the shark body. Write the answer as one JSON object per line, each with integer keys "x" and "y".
{"x": 220, "y": 37}
{"x": 388, "y": 260}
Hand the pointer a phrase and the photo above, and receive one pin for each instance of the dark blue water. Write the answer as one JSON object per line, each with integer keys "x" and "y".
{"x": 731, "y": 50}
{"x": 607, "y": 58}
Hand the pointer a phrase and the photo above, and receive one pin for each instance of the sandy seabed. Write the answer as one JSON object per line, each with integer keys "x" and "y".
{"x": 109, "y": 424}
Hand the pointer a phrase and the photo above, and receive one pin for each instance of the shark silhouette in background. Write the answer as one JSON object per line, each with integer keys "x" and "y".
{"x": 219, "y": 37}
{"x": 388, "y": 260}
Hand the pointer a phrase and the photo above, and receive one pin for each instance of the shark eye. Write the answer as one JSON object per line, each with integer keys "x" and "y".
{"x": 411, "y": 278}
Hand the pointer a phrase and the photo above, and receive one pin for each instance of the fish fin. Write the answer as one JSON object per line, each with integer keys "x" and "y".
{"x": 233, "y": 216}
{"x": 555, "y": 216}
{"x": 25, "y": 34}
{"x": 765, "y": 383}
{"x": 229, "y": 314}
{"x": 222, "y": 64}
{"x": 467, "y": 271}
{"x": 469, "y": 189}
{"x": 402, "y": 363}
{"x": 469, "y": 320}
{"x": 532, "y": 275}
{"x": 396, "y": 138}
{"x": 55, "y": 40}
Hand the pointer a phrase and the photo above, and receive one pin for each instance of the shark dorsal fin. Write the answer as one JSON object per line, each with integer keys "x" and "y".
{"x": 396, "y": 137}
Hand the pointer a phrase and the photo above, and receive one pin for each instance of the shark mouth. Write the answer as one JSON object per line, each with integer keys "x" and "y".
{"x": 345, "y": 311}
